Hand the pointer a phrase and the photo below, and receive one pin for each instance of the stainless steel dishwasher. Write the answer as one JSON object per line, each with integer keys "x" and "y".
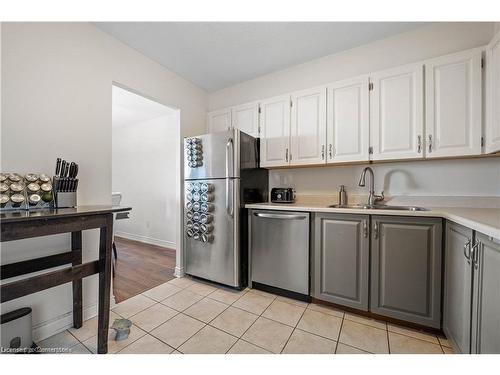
{"x": 279, "y": 251}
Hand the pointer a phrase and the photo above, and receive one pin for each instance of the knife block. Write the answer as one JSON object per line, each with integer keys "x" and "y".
{"x": 65, "y": 199}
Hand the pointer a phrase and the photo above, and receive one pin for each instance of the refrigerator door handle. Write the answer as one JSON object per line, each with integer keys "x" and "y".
{"x": 229, "y": 168}
{"x": 229, "y": 158}
{"x": 229, "y": 198}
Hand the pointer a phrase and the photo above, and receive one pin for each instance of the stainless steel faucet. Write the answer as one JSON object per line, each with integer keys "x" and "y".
{"x": 372, "y": 198}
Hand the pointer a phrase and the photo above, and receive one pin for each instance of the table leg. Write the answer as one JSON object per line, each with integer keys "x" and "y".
{"x": 105, "y": 241}
{"x": 76, "y": 249}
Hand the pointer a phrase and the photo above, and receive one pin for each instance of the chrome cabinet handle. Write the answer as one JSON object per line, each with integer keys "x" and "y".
{"x": 365, "y": 228}
{"x": 467, "y": 250}
{"x": 375, "y": 230}
{"x": 280, "y": 216}
{"x": 475, "y": 254}
{"x": 322, "y": 152}
{"x": 419, "y": 144}
{"x": 330, "y": 151}
{"x": 430, "y": 143}
{"x": 286, "y": 155}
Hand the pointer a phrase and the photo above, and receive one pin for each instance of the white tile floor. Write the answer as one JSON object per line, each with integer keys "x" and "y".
{"x": 188, "y": 316}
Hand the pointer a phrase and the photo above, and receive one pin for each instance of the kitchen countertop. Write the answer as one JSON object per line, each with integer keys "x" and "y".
{"x": 484, "y": 220}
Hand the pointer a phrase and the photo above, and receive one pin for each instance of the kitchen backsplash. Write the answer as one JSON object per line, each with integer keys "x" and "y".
{"x": 465, "y": 177}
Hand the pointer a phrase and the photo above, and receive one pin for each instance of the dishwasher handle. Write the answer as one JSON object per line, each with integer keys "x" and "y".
{"x": 280, "y": 216}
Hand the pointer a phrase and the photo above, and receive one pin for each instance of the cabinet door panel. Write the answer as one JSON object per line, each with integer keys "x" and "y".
{"x": 406, "y": 269}
{"x": 341, "y": 259}
{"x": 275, "y": 131}
{"x": 396, "y": 113}
{"x": 453, "y": 105}
{"x": 348, "y": 120}
{"x": 246, "y": 118}
{"x": 486, "y": 306}
{"x": 218, "y": 121}
{"x": 308, "y": 133}
{"x": 457, "y": 287}
{"x": 492, "y": 136}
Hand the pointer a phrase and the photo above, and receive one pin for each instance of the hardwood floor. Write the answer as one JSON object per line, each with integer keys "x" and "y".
{"x": 140, "y": 267}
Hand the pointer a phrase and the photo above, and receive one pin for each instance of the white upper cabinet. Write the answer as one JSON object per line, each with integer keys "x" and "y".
{"x": 218, "y": 121}
{"x": 275, "y": 131}
{"x": 396, "y": 113}
{"x": 308, "y": 127}
{"x": 245, "y": 117}
{"x": 348, "y": 120}
{"x": 453, "y": 104}
{"x": 492, "y": 136}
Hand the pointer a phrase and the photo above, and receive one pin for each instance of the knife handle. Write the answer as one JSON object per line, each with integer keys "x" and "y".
{"x": 63, "y": 167}
{"x": 58, "y": 166}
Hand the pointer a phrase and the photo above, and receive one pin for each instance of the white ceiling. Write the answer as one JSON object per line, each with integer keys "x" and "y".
{"x": 129, "y": 108}
{"x": 214, "y": 55}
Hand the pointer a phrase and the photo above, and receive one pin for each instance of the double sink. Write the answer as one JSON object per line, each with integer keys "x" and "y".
{"x": 378, "y": 207}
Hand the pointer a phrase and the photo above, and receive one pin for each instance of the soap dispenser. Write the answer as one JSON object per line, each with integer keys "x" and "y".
{"x": 342, "y": 196}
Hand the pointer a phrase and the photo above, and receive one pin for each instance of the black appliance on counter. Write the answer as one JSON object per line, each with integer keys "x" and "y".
{"x": 282, "y": 195}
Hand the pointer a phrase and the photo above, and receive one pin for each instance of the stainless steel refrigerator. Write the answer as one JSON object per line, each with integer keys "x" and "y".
{"x": 221, "y": 175}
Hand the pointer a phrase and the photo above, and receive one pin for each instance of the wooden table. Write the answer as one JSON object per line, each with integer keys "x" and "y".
{"x": 16, "y": 225}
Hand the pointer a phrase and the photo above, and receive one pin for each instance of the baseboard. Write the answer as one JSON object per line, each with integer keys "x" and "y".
{"x": 43, "y": 330}
{"x": 179, "y": 272}
{"x": 146, "y": 239}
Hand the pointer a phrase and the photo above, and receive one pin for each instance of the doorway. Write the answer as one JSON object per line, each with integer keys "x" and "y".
{"x": 145, "y": 175}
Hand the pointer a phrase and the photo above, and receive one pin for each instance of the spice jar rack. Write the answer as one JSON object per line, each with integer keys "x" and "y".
{"x": 33, "y": 191}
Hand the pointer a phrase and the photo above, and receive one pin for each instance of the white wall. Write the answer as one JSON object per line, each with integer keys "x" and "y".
{"x": 56, "y": 91}
{"x": 144, "y": 171}
{"x": 463, "y": 177}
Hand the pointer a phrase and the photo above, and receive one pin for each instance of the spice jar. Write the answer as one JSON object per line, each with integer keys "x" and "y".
{"x": 44, "y": 178}
{"x": 16, "y": 187}
{"x": 14, "y": 177}
{"x": 46, "y": 187}
{"x": 206, "y": 207}
{"x": 207, "y": 237}
{"x": 33, "y": 187}
{"x": 205, "y": 219}
{"x": 207, "y": 197}
{"x": 34, "y": 199}
{"x": 31, "y": 177}
{"x": 17, "y": 200}
{"x": 4, "y": 198}
{"x": 47, "y": 197}
{"x": 206, "y": 188}
{"x": 206, "y": 228}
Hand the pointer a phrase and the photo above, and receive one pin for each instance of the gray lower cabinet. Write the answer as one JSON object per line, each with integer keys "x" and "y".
{"x": 458, "y": 287}
{"x": 341, "y": 259}
{"x": 406, "y": 257}
{"x": 486, "y": 296}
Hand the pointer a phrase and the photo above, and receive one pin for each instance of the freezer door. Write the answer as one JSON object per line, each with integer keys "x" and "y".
{"x": 218, "y": 259}
{"x": 218, "y": 155}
